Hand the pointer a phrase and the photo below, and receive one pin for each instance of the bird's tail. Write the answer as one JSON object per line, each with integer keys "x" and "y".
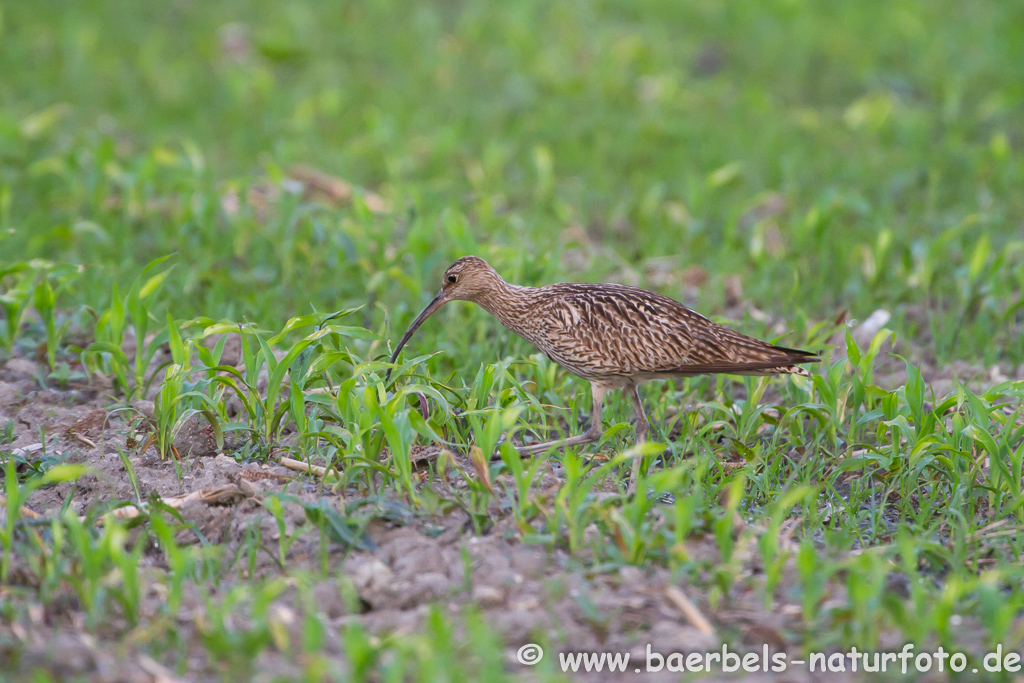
{"x": 779, "y": 370}
{"x": 797, "y": 357}
{"x": 769, "y": 359}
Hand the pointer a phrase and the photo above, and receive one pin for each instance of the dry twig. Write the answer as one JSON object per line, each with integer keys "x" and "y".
{"x": 693, "y": 615}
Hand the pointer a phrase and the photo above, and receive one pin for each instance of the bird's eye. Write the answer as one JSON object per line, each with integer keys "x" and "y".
{"x": 452, "y": 278}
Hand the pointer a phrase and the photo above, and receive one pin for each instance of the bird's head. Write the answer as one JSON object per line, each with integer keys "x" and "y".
{"x": 468, "y": 279}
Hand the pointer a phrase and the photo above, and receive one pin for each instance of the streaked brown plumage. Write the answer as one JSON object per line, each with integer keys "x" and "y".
{"x": 612, "y": 335}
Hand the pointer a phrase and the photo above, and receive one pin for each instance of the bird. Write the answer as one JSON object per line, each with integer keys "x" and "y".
{"x": 614, "y": 336}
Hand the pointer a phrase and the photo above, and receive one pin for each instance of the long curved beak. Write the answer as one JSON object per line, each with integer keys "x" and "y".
{"x": 437, "y": 302}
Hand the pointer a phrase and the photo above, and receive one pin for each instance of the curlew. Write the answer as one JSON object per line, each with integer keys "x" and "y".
{"x": 614, "y": 336}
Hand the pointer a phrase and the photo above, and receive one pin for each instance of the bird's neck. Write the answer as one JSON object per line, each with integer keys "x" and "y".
{"x": 510, "y": 304}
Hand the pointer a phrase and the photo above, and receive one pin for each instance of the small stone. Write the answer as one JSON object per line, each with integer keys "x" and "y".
{"x": 282, "y": 614}
{"x": 225, "y": 463}
{"x": 864, "y": 333}
{"x": 195, "y": 439}
{"x": 9, "y": 393}
{"x": 433, "y": 583}
{"x": 100, "y": 382}
{"x": 22, "y": 368}
{"x": 672, "y": 636}
{"x": 733, "y": 288}
{"x": 329, "y": 600}
{"x": 632, "y": 576}
{"x": 146, "y": 408}
{"x": 488, "y": 596}
{"x": 525, "y": 605}
{"x": 371, "y": 576}
{"x": 232, "y": 349}
{"x": 530, "y": 562}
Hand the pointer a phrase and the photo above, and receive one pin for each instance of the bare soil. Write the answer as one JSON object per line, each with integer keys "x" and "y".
{"x": 527, "y": 593}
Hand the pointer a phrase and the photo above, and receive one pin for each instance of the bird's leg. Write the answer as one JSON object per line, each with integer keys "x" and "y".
{"x": 642, "y": 426}
{"x": 592, "y": 434}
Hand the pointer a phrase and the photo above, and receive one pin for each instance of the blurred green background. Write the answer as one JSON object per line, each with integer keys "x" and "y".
{"x": 802, "y": 158}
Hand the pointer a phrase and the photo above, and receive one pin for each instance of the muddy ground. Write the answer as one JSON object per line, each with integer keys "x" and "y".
{"x": 525, "y": 592}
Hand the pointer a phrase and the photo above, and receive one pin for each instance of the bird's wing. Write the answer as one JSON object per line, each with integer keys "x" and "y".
{"x": 626, "y": 330}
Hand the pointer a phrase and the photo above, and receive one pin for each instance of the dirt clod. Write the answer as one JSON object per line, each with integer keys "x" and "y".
{"x": 22, "y": 368}
{"x": 195, "y": 439}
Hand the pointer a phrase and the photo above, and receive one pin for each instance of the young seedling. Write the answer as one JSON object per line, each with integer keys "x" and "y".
{"x": 14, "y": 300}
{"x": 45, "y": 300}
{"x": 106, "y": 353}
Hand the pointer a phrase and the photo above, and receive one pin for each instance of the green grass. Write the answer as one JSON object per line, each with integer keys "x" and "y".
{"x": 891, "y": 132}
{"x": 821, "y": 158}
